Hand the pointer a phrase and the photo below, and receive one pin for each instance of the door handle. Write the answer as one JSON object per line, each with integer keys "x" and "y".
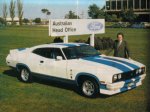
{"x": 41, "y": 61}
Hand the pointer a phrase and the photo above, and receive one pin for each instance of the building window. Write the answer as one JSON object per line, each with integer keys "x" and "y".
{"x": 130, "y": 2}
{"x": 148, "y": 4}
{"x": 113, "y": 5}
{"x": 137, "y": 6}
{"x": 124, "y": 4}
{"x": 143, "y": 4}
{"x": 108, "y": 5}
{"x": 119, "y": 4}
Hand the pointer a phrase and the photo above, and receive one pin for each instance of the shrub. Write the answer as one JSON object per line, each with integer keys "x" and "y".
{"x": 57, "y": 40}
{"x": 2, "y": 22}
{"x": 100, "y": 43}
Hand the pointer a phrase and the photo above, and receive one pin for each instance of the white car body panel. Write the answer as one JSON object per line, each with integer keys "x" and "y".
{"x": 101, "y": 67}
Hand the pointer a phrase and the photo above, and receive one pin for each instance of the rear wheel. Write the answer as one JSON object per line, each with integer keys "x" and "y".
{"x": 89, "y": 87}
{"x": 25, "y": 75}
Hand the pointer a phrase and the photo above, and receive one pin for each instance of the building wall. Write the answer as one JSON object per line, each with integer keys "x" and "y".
{"x": 127, "y": 4}
{"x": 140, "y": 7}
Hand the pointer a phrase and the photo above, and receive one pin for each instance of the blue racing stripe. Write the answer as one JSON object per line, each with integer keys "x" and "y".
{"x": 81, "y": 44}
{"x": 71, "y": 45}
{"x": 68, "y": 45}
{"x": 98, "y": 59}
{"x": 124, "y": 62}
{"x": 21, "y": 49}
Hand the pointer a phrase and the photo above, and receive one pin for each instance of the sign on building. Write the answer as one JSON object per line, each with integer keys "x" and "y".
{"x": 67, "y": 27}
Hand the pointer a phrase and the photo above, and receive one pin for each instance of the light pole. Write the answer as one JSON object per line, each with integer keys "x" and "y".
{"x": 77, "y": 9}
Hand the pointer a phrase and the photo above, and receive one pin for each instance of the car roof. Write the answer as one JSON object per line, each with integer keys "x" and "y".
{"x": 60, "y": 45}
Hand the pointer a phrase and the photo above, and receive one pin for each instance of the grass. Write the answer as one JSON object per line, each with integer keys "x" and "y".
{"x": 51, "y": 96}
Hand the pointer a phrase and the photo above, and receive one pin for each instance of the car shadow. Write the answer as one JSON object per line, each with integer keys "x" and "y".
{"x": 52, "y": 82}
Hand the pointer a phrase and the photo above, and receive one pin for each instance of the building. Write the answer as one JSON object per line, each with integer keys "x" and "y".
{"x": 140, "y": 7}
{"x": 9, "y": 20}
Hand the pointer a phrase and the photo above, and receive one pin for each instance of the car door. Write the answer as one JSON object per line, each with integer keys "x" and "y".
{"x": 59, "y": 67}
{"x": 48, "y": 64}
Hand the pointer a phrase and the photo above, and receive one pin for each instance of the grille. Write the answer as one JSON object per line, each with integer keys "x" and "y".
{"x": 131, "y": 74}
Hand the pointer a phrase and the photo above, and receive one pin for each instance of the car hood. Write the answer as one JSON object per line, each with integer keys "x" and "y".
{"x": 106, "y": 64}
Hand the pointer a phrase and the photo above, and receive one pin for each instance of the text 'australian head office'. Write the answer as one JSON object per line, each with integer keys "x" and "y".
{"x": 63, "y": 27}
{"x": 66, "y": 27}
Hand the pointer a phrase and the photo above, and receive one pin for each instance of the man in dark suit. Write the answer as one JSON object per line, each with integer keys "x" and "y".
{"x": 121, "y": 47}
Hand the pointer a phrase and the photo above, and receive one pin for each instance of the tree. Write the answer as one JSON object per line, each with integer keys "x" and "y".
{"x": 108, "y": 17}
{"x": 12, "y": 11}
{"x": 46, "y": 11}
{"x": 101, "y": 14}
{"x": 95, "y": 12}
{"x": 20, "y": 11}
{"x": 2, "y": 22}
{"x": 5, "y": 11}
{"x": 25, "y": 20}
{"x": 128, "y": 15}
{"x": 114, "y": 18}
{"x": 37, "y": 20}
{"x": 71, "y": 15}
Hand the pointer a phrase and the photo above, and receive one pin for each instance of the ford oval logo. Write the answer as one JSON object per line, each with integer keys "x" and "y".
{"x": 95, "y": 26}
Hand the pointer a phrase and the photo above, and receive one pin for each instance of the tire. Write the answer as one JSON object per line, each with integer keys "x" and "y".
{"x": 89, "y": 88}
{"x": 25, "y": 75}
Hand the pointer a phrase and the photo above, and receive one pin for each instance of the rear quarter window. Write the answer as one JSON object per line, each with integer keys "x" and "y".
{"x": 50, "y": 53}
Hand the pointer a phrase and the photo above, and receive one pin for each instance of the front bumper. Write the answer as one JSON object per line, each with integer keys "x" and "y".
{"x": 121, "y": 86}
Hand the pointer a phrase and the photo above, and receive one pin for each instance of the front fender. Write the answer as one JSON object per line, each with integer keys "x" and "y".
{"x": 21, "y": 65}
{"x": 88, "y": 75}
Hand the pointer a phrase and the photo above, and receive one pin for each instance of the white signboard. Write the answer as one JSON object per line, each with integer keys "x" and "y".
{"x": 66, "y": 27}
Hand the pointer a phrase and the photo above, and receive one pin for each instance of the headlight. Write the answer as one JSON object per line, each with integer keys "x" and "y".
{"x": 117, "y": 77}
{"x": 137, "y": 72}
{"x": 143, "y": 70}
{"x": 140, "y": 71}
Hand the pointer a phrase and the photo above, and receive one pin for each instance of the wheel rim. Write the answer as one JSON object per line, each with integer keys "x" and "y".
{"x": 88, "y": 88}
{"x": 24, "y": 74}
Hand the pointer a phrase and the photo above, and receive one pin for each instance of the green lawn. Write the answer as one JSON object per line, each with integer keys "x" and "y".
{"x": 45, "y": 96}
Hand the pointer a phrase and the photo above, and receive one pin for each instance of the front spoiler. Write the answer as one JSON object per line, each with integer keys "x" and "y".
{"x": 118, "y": 87}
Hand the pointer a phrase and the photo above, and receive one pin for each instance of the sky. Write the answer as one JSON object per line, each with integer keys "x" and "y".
{"x": 58, "y": 8}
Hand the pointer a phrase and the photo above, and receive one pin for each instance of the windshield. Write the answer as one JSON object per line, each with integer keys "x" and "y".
{"x": 80, "y": 52}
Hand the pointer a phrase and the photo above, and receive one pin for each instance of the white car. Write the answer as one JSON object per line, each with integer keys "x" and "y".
{"x": 79, "y": 63}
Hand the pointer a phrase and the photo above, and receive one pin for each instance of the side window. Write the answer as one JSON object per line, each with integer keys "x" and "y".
{"x": 70, "y": 53}
{"x": 56, "y": 52}
{"x": 51, "y": 53}
{"x": 37, "y": 51}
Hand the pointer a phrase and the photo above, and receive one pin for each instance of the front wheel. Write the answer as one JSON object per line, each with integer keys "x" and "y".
{"x": 25, "y": 75}
{"x": 89, "y": 88}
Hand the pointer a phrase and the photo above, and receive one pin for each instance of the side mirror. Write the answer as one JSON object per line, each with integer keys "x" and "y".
{"x": 59, "y": 58}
